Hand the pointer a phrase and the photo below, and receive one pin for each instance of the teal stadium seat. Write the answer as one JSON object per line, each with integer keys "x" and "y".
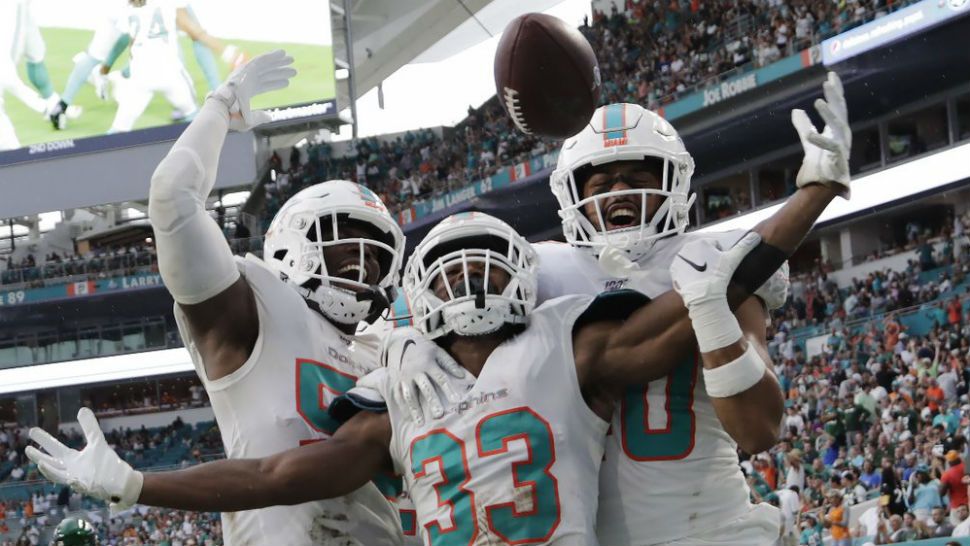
{"x": 133, "y": 342}
{"x": 8, "y": 357}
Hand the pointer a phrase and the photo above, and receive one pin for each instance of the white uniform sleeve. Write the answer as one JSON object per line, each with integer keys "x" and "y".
{"x": 194, "y": 259}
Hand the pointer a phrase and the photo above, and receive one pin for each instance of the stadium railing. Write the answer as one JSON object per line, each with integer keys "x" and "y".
{"x": 76, "y": 269}
{"x": 147, "y": 334}
{"x": 98, "y": 267}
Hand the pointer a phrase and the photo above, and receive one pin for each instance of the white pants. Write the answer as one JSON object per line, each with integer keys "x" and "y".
{"x": 19, "y": 35}
{"x": 761, "y": 526}
{"x": 10, "y": 82}
{"x": 150, "y": 76}
{"x": 104, "y": 40}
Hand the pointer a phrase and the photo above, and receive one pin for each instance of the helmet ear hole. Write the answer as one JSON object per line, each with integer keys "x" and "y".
{"x": 280, "y": 254}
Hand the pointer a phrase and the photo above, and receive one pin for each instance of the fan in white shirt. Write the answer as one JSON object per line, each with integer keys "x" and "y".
{"x": 794, "y": 420}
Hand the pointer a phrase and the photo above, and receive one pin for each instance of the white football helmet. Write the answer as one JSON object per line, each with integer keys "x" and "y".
{"x": 622, "y": 132}
{"x": 471, "y": 306}
{"x": 311, "y": 221}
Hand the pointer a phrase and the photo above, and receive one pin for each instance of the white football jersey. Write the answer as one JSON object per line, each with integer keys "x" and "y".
{"x": 516, "y": 460}
{"x": 153, "y": 31}
{"x": 368, "y": 347}
{"x": 671, "y": 470}
{"x": 278, "y": 400}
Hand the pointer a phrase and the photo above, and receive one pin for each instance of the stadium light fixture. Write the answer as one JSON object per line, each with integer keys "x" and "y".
{"x": 95, "y": 370}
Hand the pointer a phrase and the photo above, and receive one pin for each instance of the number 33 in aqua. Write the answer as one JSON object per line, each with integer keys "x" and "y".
{"x": 676, "y": 439}
{"x": 441, "y": 456}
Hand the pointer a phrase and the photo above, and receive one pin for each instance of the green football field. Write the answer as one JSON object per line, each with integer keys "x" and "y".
{"x": 315, "y": 81}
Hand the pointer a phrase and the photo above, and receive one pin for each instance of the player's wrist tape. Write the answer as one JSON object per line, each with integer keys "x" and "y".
{"x": 714, "y": 325}
{"x": 736, "y": 376}
{"x": 224, "y": 95}
{"x": 758, "y": 266}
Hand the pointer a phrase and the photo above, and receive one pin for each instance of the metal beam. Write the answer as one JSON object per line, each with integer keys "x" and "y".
{"x": 352, "y": 80}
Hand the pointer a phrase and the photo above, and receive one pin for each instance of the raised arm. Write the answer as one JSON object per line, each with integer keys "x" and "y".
{"x": 353, "y": 456}
{"x": 638, "y": 350}
{"x": 194, "y": 259}
{"x": 616, "y": 355}
{"x": 643, "y": 342}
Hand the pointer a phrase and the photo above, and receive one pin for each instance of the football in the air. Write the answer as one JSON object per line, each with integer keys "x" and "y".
{"x": 546, "y": 76}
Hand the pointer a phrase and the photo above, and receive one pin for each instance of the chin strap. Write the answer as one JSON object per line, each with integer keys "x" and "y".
{"x": 380, "y": 300}
{"x": 314, "y": 306}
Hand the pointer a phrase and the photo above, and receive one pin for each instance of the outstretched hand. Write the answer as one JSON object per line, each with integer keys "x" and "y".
{"x": 827, "y": 154}
{"x": 96, "y": 470}
{"x": 267, "y": 72}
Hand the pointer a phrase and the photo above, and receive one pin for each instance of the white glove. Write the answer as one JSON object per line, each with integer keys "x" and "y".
{"x": 826, "y": 155}
{"x": 421, "y": 371}
{"x": 701, "y": 272}
{"x": 613, "y": 261}
{"x": 96, "y": 470}
{"x": 264, "y": 73}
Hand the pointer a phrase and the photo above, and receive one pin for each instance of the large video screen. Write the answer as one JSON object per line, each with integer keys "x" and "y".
{"x": 126, "y": 65}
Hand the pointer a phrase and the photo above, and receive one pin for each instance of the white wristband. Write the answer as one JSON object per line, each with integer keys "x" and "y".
{"x": 714, "y": 325}
{"x": 736, "y": 376}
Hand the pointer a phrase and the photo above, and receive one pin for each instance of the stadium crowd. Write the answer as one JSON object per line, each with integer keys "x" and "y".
{"x": 878, "y": 412}
{"x": 33, "y": 271}
{"x": 874, "y": 410}
{"x": 141, "y": 526}
{"x": 176, "y": 444}
{"x": 659, "y": 50}
{"x": 650, "y": 52}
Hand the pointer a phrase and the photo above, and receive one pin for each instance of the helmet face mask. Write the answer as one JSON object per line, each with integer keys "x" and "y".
{"x": 355, "y": 256}
{"x": 471, "y": 276}
{"x": 624, "y": 133}
{"x": 328, "y": 240}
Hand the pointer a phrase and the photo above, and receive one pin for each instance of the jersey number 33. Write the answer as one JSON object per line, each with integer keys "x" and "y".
{"x": 446, "y": 460}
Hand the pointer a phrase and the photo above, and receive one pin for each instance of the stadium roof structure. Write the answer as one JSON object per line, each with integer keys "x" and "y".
{"x": 388, "y": 34}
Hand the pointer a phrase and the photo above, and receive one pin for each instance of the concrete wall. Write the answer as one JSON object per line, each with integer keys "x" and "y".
{"x": 110, "y": 176}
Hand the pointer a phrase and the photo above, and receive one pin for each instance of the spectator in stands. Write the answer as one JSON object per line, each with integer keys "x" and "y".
{"x": 811, "y": 531}
{"x": 836, "y": 519}
{"x": 795, "y": 473}
{"x": 952, "y": 486}
{"x": 962, "y": 528}
{"x": 790, "y": 504}
{"x": 925, "y": 496}
{"x": 870, "y": 478}
{"x": 938, "y": 525}
{"x": 897, "y": 531}
{"x": 853, "y": 492}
